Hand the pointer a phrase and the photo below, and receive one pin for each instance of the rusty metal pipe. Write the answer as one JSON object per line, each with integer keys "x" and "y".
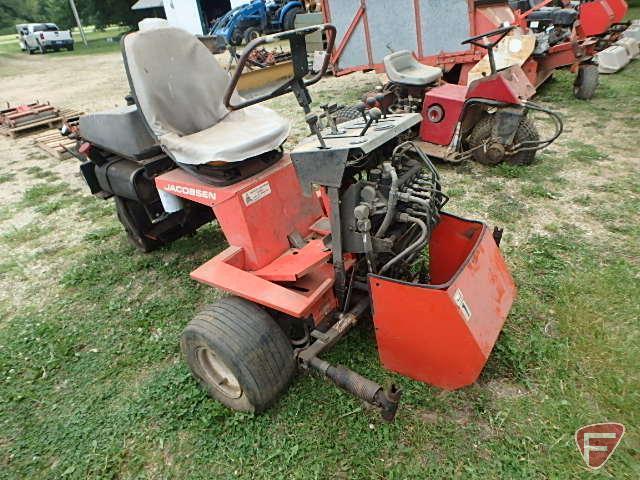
{"x": 363, "y": 388}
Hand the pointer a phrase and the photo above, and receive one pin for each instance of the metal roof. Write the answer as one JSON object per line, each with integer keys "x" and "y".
{"x": 144, "y": 4}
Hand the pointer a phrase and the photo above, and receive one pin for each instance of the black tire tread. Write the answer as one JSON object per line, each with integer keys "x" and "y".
{"x": 481, "y": 131}
{"x": 587, "y": 82}
{"x": 244, "y": 331}
{"x": 346, "y": 114}
{"x": 527, "y": 131}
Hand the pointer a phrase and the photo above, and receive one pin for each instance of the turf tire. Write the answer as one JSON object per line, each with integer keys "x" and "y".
{"x": 587, "y": 81}
{"x": 249, "y": 344}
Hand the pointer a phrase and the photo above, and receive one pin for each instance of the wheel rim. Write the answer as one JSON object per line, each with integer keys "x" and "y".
{"x": 216, "y": 373}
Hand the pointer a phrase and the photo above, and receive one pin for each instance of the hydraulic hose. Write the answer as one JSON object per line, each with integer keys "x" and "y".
{"x": 407, "y": 251}
{"x": 540, "y": 144}
{"x": 392, "y": 202}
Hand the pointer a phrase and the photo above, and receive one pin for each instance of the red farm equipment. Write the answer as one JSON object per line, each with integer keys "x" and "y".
{"x": 549, "y": 37}
{"x": 347, "y": 225}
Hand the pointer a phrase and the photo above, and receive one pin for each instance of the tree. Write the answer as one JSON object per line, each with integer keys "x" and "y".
{"x": 109, "y": 12}
{"x": 18, "y": 11}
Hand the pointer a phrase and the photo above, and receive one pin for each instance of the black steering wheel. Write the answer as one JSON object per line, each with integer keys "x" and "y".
{"x": 299, "y": 83}
{"x": 489, "y": 46}
{"x": 501, "y": 31}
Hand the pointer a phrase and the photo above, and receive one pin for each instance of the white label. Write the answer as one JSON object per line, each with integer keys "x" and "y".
{"x": 193, "y": 192}
{"x": 534, "y": 25}
{"x": 462, "y": 305}
{"x": 256, "y": 194}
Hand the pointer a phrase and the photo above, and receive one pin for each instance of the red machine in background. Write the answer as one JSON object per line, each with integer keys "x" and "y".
{"x": 487, "y": 121}
{"x": 551, "y": 37}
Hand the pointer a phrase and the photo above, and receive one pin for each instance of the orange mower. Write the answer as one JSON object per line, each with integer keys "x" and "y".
{"x": 348, "y": 225}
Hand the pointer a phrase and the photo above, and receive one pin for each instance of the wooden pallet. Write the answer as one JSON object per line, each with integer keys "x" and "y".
{"x": 29, "y": 128}
{"x": 54, "y": 143}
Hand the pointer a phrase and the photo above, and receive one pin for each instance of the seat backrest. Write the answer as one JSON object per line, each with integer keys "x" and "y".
{"x": 178, "y": 84}
{"x": 397, "y": 62}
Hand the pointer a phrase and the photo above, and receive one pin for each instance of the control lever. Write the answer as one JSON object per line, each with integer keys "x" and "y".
{"x": 380, "y": 100}
{"x": 329, "y": 110}
{"x": 374, "y": 116}
{"x": 362, "y": 108}
{"x": 312, "y": 121}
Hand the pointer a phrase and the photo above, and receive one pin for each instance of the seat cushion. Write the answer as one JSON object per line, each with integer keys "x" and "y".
{"x": 240, "y": 135}
{"x": 404, "y": 69}
{"x": 179, "y": 87}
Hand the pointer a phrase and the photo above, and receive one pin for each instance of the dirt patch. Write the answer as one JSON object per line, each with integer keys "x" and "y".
{"x": 503, "y": 389}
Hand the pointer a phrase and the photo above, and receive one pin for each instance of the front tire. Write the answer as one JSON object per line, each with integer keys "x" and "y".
{"x": 587, "y": 81}
{"x": 238, "y": 354}
{"x": 251, "y": 34}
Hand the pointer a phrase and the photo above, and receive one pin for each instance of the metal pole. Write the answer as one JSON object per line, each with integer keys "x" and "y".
{"x": 75, "y": 14}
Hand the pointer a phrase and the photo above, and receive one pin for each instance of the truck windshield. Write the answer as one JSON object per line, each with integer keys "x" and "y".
{"x": 45, "y": 27}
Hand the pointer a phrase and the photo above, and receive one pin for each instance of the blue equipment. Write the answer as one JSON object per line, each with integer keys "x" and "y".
{"x": 247, "y": 22}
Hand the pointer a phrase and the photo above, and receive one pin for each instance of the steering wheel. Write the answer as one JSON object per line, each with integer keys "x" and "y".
{"x": 296, "y": 85}
{"x": 488, "y": 45}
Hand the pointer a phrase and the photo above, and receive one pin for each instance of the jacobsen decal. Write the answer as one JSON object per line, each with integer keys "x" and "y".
{"x": 193, "y": 192}
{"x": 256, "y": 194}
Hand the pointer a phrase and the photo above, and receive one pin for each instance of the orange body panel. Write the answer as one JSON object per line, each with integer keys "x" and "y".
{"x": 509, "y": 86}
{"x": 312, "y": 296}
{"x": 451, "y": 98}
{"x": 443, "y": 333}
{"x": 596, "y": 17}
{"x": 257, "y": 214}
{"x": 620, "y": 9}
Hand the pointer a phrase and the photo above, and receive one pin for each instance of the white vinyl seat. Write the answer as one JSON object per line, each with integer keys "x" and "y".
{"x": 179, "y": 88}
{"x": 402, "y": 68}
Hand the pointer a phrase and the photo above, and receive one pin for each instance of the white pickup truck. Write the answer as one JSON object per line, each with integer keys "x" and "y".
{"x": 42, "y": 37}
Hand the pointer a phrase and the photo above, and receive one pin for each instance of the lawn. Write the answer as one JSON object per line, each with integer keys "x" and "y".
{"x": 93, "y": 385}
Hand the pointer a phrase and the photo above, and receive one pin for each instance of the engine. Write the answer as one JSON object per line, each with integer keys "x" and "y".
{"x": 551, "y": 25}
{"x": 389, "y": 210}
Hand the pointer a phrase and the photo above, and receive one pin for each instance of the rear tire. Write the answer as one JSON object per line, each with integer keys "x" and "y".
{"x": 42, "y": 49}
{"x": 527, "y": 132}
{"x": 70, "y": 48}
{"x": 587, "y": 81}
{"x": 289, "y": 20}
{"x": 135, "y": 221}
{"x": 238, "y": 354}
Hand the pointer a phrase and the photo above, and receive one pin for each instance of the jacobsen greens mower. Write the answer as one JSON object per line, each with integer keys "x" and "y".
{"x": 350, "y": 223}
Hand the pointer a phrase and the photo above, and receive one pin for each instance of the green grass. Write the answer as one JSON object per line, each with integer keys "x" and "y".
{"x": 7, "y": 177}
